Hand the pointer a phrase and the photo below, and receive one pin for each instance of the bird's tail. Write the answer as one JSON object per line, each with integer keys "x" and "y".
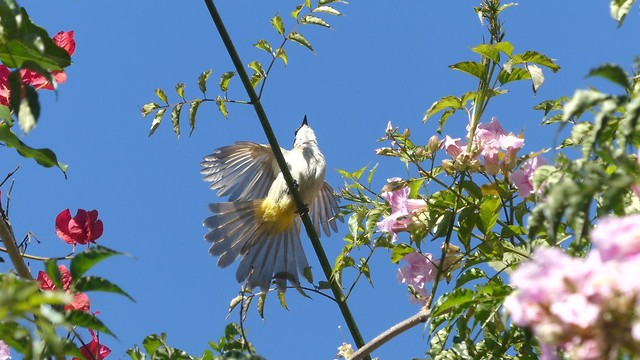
{"x": 236, "y": 229}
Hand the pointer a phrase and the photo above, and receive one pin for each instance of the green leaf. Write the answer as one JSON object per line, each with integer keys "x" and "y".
{"x": 613, "y": 73}
{"x": 264, "y": 45}
{"x": 86, "y": 320}
{"x": 202, "y": 80}
{"x": 514, "y": 74}
{"x": 5, "y": 113}
{"x": 314, "y": 20}
{"x": 489, "y": 51}
{"x": 470, "y": 67}
{"x": 282, "y": 55}
{"x": 327, "y": 10}
{"x": 157, "y": 119}
{"x": 180, "y": 90}
{"x": 489, "y": 211}
{"x": 399, "y": 251}
{"x": 458, "y": 298}
{"x": 51, "y": 267}
{"x": 470, "y": 275}
{"x": 298, "y": 38}
{"x": 161, "y": 95}
{"x": 29, "y": 110}
{"x": 581, "y": 101}
{"x": 152, "y": 342}
{"x": 282, "y": 300}
{"x": 222, "y": 106}
{"x": 193, "y": 109}
{"x": 85, "y": 260}
{"x": 148, "y": 108}
{"x": 296, "y": 12}
{"x": 620, "y": 9}
{"x": 175, "y": 118}
{"x": 261, "y": 301}
{"x": 447, "y": 102}
{"x": 44, "y": 157}
{"x": 277, "y": 23}
{"x": 224, "y": 80}
{"x": 24, "y": 41}
{"x": 533, "y": 57}
{"x": 505, "y": 47}
{"x": 94, "y": 283}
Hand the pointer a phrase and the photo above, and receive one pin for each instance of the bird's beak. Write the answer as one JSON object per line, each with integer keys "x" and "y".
{"x": 304, "y": 122}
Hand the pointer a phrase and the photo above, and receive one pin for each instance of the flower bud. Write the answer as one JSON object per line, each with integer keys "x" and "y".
{"x": 434, "y": 143}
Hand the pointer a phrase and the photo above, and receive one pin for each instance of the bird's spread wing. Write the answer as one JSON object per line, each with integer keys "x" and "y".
{"x": 324, "y": 209}
{"x": 242, "y": 171}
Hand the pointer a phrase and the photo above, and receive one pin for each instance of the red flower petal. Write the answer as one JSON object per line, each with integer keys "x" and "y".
{"x": 62, "y": 227}
{"x": 80, "y": 302}
{"x": 45, "y": 281}
{"x": 65, "y": 40}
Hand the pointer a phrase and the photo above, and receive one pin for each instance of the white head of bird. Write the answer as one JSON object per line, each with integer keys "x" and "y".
{"x": 260, "y": 223}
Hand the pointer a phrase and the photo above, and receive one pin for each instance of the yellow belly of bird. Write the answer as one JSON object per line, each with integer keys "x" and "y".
{"x": 276, "y": 217}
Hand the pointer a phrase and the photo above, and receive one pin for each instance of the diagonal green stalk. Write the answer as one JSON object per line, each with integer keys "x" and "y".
{"x": 306, "y": 220}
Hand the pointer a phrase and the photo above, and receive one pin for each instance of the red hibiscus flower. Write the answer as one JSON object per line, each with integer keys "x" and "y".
{"x": 94, "y": 350}
{"x": 80, "y": 300}
{"x": 81, "y": 229}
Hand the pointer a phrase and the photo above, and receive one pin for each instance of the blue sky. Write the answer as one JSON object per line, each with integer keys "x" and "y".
{"x": 381, "y": 62}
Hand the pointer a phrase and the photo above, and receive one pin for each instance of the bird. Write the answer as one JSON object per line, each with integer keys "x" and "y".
{"x": 260, "y": 223}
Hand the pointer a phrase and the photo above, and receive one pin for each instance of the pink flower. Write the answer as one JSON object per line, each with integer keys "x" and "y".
{"x": 402, "y": 210}
{"x": 80, "y": 300}
{"x": 453, "y": 147}
{"x": 94, "y": 350}
{"x": 617, "y": 238}
{"x": 5, "y": 353}
{"x": 421, "y": 270}
{"x": 523, "y": 179}
{"x": 81, "y": 229}
{"x": 492, "y": 138}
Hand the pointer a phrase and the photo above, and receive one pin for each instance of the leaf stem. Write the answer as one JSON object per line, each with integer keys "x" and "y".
{"x": 264, "y": 121}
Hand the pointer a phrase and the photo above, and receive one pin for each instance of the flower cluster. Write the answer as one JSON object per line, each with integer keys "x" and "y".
{"x": 84, "y": 228}
{"x": 80, "y": 300}
{"x": 63, "y": 39}
{"x": 587, "y": 307}
{"x": 422, "y": 269}
{"x": 404, "y": 211}
{"x": 496, "y": 147}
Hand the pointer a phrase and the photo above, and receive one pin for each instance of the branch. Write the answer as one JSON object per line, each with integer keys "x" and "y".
{"x": 306, "y": 220}
{"x": 421, "y": 317}
{"x": 6, "y": 234}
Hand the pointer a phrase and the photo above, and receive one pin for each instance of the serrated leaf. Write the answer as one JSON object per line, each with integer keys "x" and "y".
{"x": 613, "y": 73}
{"x": 282, "y": 55}
{"x": 175, "y": 118}
{"x": 86, "y": 320}
{"x": 44, "y": 157}
{"x": 298, "y": 38}
{"x": 327, "y": 10}
{"x": 193, "y": 109}
{"x": 314, "y": 20}
{"x": 619, "y": 9}
{"x": 202, "y": 80}
{"x": 296, "y": 12}
{"x": 161, "y": 95}
{"x": 85, "y": 260}
{"x": 263, "y": 45}
{"x": 277, "y": 23}
{"x": 157, "y": 119}
{"x": 148, "y": 108}
{"x": 224, "y": 80}
{"x": 470, "y": 67}
{"x": 94, "y": 283}
{"x": 180, "y": 90}
{"x": 222, "y": 106}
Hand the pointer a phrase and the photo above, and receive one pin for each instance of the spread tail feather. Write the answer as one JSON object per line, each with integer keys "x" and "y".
{"x": 235, "y": 231}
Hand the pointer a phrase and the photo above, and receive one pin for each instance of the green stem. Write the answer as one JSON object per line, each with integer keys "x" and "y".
{"x": 306, "y": 220}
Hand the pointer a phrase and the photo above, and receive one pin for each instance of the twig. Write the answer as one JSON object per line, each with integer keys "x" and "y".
{"x": 6, "y": 234}
{"x": 421, "y": 317}
{"x": 282, "y": 164}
